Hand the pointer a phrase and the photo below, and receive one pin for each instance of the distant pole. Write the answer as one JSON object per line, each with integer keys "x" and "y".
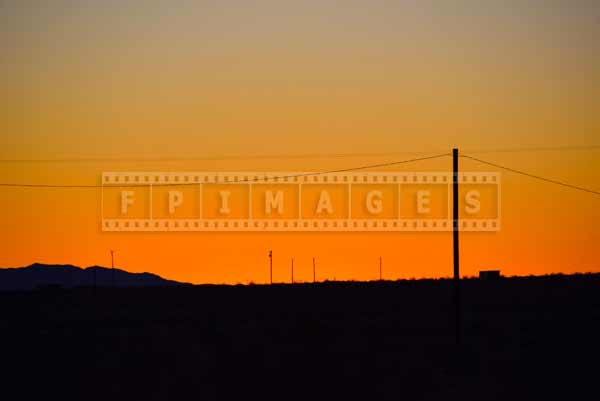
{"x": 455, "y": 244}
{"x": 292, "y": 270}
{"x": 271, "y": 266}
{"x": 112, "y": 263}
{"x": 380, "y": 262}
{"x": 314, "y": 272}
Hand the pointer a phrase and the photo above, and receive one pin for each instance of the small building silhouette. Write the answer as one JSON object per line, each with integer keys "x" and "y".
{"x": 489, "y": 275}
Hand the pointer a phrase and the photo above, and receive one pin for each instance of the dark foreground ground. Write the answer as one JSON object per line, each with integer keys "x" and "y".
{"x": 524, "y": 338}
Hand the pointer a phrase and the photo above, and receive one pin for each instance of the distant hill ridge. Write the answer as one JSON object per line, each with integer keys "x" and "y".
{"x": 40, "y": 275}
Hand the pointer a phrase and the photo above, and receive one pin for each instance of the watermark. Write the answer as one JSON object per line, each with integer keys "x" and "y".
{"x": 285, "y": 201}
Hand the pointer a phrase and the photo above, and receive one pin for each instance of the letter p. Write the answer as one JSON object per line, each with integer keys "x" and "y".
{"x": 175, "y": 200}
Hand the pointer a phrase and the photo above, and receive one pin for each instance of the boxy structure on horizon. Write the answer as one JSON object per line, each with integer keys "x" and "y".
{"x": 489, "y": 275}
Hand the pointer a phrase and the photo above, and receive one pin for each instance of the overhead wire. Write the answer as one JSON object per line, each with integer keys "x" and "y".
{"x": 537, "y": 177}
{"x": 290, "y": 156}
{"x": 344, "y": 170}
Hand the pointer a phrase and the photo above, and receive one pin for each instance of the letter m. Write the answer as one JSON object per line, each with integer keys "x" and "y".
{"x": 273, "y": 201}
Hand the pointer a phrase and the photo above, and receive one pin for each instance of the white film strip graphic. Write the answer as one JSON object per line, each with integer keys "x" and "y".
{"x": 292, "y": 201}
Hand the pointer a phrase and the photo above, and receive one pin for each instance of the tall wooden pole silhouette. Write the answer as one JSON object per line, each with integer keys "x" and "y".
{"x": 112, "y": 264}
{"x": 314, "y": 272}
{"x": 455, "y": 226}
{"x": 271, "y": 267}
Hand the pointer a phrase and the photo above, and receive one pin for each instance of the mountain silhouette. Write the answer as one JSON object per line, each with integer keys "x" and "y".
{"x": 68, "y": 276}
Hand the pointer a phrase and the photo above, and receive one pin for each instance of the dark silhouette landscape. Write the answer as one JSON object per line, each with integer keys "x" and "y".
{"x": 37, "y": 276}
{"x": 529, "y": 338}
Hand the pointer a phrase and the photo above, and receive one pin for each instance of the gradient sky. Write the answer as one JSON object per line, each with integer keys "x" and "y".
{"x": 190, "y": 79}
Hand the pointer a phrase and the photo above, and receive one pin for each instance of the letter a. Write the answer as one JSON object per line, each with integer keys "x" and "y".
{"x": 324, "y": 203}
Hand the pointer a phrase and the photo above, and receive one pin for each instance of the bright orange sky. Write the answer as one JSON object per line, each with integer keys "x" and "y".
{"x": 134, "y": 80}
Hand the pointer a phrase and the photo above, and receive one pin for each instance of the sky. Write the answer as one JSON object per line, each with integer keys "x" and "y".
{"x": 90, "y": 87}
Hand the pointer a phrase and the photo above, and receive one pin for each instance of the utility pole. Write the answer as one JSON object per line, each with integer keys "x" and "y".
{"x": 292, "y": 270}
{"x": 380, "y": 276}
{"x": 112, "y": 263}
{"x": 271, "y": 266}
{"x": 314, "y": 272}
{"x": 455, "y": 226}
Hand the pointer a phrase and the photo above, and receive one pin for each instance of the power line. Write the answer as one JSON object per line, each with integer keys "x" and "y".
{"x": 365, "y": 167}
{"x": 50, "y": 186}
{"x": 564, "y": 184}
{"x": 288, "y": 156}
{"x": 213, "y": 158}
{"x": 537, "y": 149}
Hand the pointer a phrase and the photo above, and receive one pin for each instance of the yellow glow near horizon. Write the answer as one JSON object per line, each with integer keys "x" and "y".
{"x": 144, "y": 80}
